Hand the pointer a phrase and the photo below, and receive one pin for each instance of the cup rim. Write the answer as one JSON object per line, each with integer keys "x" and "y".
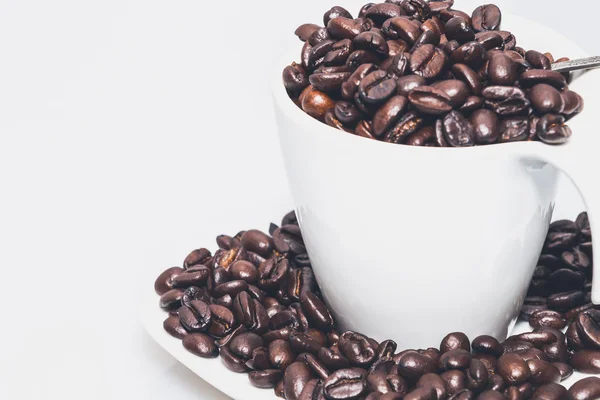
{"x": 293, "y": 112}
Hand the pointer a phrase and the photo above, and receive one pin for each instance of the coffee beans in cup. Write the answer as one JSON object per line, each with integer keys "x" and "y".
{"x": 421, "y": 73}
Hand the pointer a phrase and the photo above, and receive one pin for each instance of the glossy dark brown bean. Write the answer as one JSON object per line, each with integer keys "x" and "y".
{"x": 573, "y": 313}
{"x": 344, "y": 28}
{"x": 573, "y": 103}
{"x": 427, "y": 37}
{"x": 244, "y": 270}
{"x": 487, "y": 344}
{"x": 455, "y": 341}
{"x": 376, "y": 88}
{"x": 565, "y": 279}
{"x": 389, "y": 114}
{"x": 424, "y": 393}
{"x": 489, "y": 40}
{"x": 350, "y": 87}
{"x": 450, "y": 47}
{"x": 319, "y": 36}
{"x": 174, "y": 327}
{"x": 454, "y": 380}
{"x": 455, "y": 359}
{"x": 509, "y": 40}
{"x": 401, "y": 28}
{"x": 502, "y": 70}
{"x": 409, "y": 124}
{"x": 470, "y": 53}
{"x": 422, "y": 137}
{"x": 536, "y": 76}
{"x": 550, "y": 318}
{"x": 513, "y": 369}
{"x": 201, "y": 345}
{"x": 537, "y": 60}
{"x": 429, "y": 100}
{"x": 477, "y": 376}
{"x": 281, "y": 354}
{"x": 398, "y": 65}
{"x": 550, "y": 391}
{"x": 505, "y": 100}
{"x": 433, "y": 381}
{"x": 223, "y": 321}
{"x": 171, "y": 300}
{"x": 588, "y": 327}
{"x": 195, "y": 316}
{"x": 564, "y": 369}
{"x": 272, "y": 272}
{"x": 304, "y": 31}
{"x": 295, "y": 377}
{"x": 265, "y": 379}
{"x": 193, "y": 276}
{"x": 329, "y": 82}
{"x": 347, "y": 113}
{"x": 486, "y": 18}
{"x": 459, "y": 29}
{"x": 457, "y": 90}
{"x": 546, "y": 99}
{"x": 496, "y": 383}
{"x": 566, "y": 300}
{"x": 244, "y": 344}
{"x": 543, "y": 372}
{"x": 300, "y": 280}
{"x": 371, "y": 41}
{"x": 381, "y": 12}
{"x": 360, "y": 57}
{"x": 412, "y": 365}
{"x": 586, "y": 389}
{"x": 334, "y": 12}
{"x": 316, "y": 311}
{"x": 345, "y": 384}
{"x": 514, "y": 129}
{"x": 406, "y": 84}
{"x": 468, "y": 76}
{"x": 199, "y": 256}
{"x": 486, "y": 126}
{"x": 303, "y": 343}
{"x": 316, "y": 103}
{"x": 586, "y": 361}
{"x": 457, "y": 130}
{"x": 471, "y": 104}
{"x": 164, "y": 282}
{"x": 427, "y": 61}
{"x": 259, "y": 359}
{"x": 447, "y": 15}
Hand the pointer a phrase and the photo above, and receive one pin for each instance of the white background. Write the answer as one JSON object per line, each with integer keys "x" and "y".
{"x": 131, "y": 132}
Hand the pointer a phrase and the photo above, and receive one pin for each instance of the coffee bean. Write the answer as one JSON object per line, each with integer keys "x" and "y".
{"x": 513, "y": 369}
{"x": 171, "y": 300}
{"x": 470, "y": 53}
{"x": 225, "y": 340}
{"x": 455, "y": 359}
{"x": 508, "y": 39}
{"x": 548, "y": 318}
{"x": 304, "y": 31}
{"x": 319, "y": 36}
{"x": 468, "y": 76}
{"x": 409, "y": 124}
{"x": 350, "y": 87}
{"x": 502, "y": 70}
{"x": 232, "y": 361}
{"x": 447, "y": 15}
{"x": 335, "y": 12}
{"x": 364, "y": 129}
{"x": 565, "y": 370}
{"x": 201, "y": 345}
{"x": 424, "y": 393}
{"x": 329, "y": 82}
{"x": 471, "y": 104}
{"x": 398, "y": 65}
{"x": 457, "y": 130}
{"x": 537, "y": 76}
{"x": 463, "y": 395}
{"x": 486, "y": 18}
{"x": 514, "y": 129}
{"x": 199, "y": 256}
{"x": 312, "y": 390}
{"x": 427, "y": 61}
{"x": 439, "y": 6}
{"x": 244, "y": 270}
{"x": 243, "y": 345}
{"x": 303, "y": 343}
{"x": 345, "y": 384}
{"x": 380, "y": 13}
{"x": 316, "y": 103}
{"x": 401, "y": 28}
{"x": 546, "y": 99}
{"x": 272, "y": 272}
{"x": 259, "y": 359}
{"x": 489, "y": 40}
{"x": 164, "y": 282}
{"x": 279, "y": 390}
{"x": 315, "y": 365}
{"x": 488, "y": 345}
{"x": 376, "y": 88}
{"x": 556, "y": 352}
{"x": 450, "y": 47}
{"x": 533, "y": 354}
{"x": 588, "y": 328}
{"x": 193, "y": 276}
{"x": 295, "y": 377}
{"x": 406, "y": 84}
{"x": 396, "y": 47}
{"x": 389, "y": 114}
{"x": 586, "y": 389}
{"x": 455, "y": 89}
{"x": 316, "y": 312}
{"x": 417, "y": 9}
{"x": 486, "y": 126}
{"x": 455, "y": 341}
{"x": 459, "y": 29}
{"x": 573, "y": 103}
{"x": 344, "y": 28}
{"x": 223, "y": 321}
{"x": 537, "y": 60}
{"x": 195, "y": 316}
{"x": 586, "y": 361}
{"x": 506, "y": 100}
{"x": 281, "y": 354}
{"x": 371, "y": 41}
{"x": 497, "y": 383}
{"x": 455, "y": 381}
{"x": 387, "y": 383}
{"x": 295, "y": 79}
{"x": 174, "y": 327}
{"x": 423, "y": 137}
{"x": 360, "y": 57}
{"x": 265, "y": 379}
{"x": 543, "y": 372}
{"x": 566, "y": 300}
{"x": 551, "y": 391}
{"x": 477, "y": 376}
{"x": 429, "y": 100}
{"x": 338, "y": 54}
{"x": 427, "y": 37}
{"x": 433, "y": 381}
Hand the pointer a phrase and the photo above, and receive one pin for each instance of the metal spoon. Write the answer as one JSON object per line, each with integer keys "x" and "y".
{"x": 576, "y": 65}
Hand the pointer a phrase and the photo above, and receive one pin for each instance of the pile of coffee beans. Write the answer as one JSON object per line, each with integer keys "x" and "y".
{"x": 256, "y": 303}
{"x": 420, "y": 73}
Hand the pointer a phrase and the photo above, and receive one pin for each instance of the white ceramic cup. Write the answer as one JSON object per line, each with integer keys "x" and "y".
{"x": 411, "y": 243}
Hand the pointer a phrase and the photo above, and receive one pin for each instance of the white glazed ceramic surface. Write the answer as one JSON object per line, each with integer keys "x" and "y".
{"x": 411, "y": 243}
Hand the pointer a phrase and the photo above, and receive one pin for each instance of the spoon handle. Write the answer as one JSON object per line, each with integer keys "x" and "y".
{"x": 575, "y": 65}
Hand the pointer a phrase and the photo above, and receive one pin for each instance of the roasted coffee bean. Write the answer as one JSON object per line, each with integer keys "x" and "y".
{"x": 316, "y": 311}
{"x": 316, "y": 103}
{"x": 279, "y": 390}
{"x": 566, "y": 300}
{"x": 454, "y": 380}
{"x": 537, "y": 76}
{"x": 588, "y": 328}
{"x": 195, "y": 316}
{"x": 463, "y": 395}
{"x": 565, "y": 370}
{"x": 513, "y": 369}
{"x": 225, "y": 301}
{"x": 171, "y": 300}
{"x": 401, "y": 28}
{"x": 417, "y": 9}
{"x": 543, "y": 372}
{"x": 459, "y": 29}
{"x": 265, "y": 379}
{"x": 409, "y": 124}
{"x": 586, "y": 389}
{"x": 332, "y": 358}
{"x": 486, "y": 18}
{"x": 551, "y": 391}
{"x": 573, "y": 103}
{"x": 488, "y": 345}
{"x": 514, "y": 345}
{"x": 489, "y": 40}
{"x": 223, "y": 321}
{"x": 389, "y": 114}
{"x": 379, "y": 13}
{"x": 549, "y": 318}
{"x": 198, "y": 256}
{"x": 272, "y": 272}
{"x": 514, "y": 129}
{"x": 468, "y": 76}
{"x": 427, "y": 61}
{"x": 450, "y": 47}
{"x": 231, "y": 361}
{"x": 174, "y": 327}
{"x": 201, "y": 345}
{"x": 304, "y": 31}
{"x": 226, "y": 242}
{"x": 319, "y": 36}
{"x": 447, "y": 15}
{"x": 586, "y": 361}
{"x": 312, "y": 390}
{"x": 423, "y": 137}
{"x": 439, "y": 6}
{"x": 225, "y": 340}
{"x": 433, "y": 381}
{"x": 486, "y": 126}
{"x": 220, "y": 276}
{"x": 364, "y": 129}
{"x": 295, "y": 79}
{"x": 457, "y": 130}
{"x": 344, "y": 28}
{"x": 195, "y": 293}
{"x": 350, "y": 87}
{"x": 424, "y": 393}
{"x": 455, "y": 359}
{"x": 371, "y": 41}
{"x": 406, "y": 84}
{"x": 537, "y": 60}
{"x": 360, "y": 57}
{"x": 506, "y": 100}
{"x": 347, "y": 383}
{"x": 497, "y": 383}
{"x": 477, "y": 376}
{"x": 244, "y": 344}
{"x": 377, "y": 87}
{"x": 427, "y": 37}
{"x": 282, "y": 319}
{"x": 430, "y": 100}
{"x": 303, "y": 343}
{"x": 455, "y": 341}
{"x": 546, "y": 99}
{"x": 281, "y": 354}
{"x": 300, "y": 281}
{"x": 573, "y": 313}
{"x": 387, "y": 383}
{"x": 470, "y": 53}
{"x": 398, "y": 65}
{"x": 259, "y": 359}
{"x": 295, "y": 377}
{"x": 315, "y": 365}
{"x": 532, "y": 354}
{"x": 296, "y": 308}
{"x": 164, "y": 282}
{"x": 471, "y": 104}
{"x": 193, "y": 276}
{"x": 329, "y": 82}
{"x": 231, "y": 288}
{"x": 338, "y": 54}
{"x": 244, "y": 270}
{"x": 396, "y": 47}
{"x": 288, "y": 239}
{"x": 455, "y": 89}
{"x": 508, "y": 39}
{"x": 502, "y": 70}
{"x": 250, "y": 313}
{"x": 335, "y": 12}
{"x": 257, "y": 242}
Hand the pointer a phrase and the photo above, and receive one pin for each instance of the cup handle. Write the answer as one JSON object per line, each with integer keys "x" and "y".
{"x": 579, "y": 159}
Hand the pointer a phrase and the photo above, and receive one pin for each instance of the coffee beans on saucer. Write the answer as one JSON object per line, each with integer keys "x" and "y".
{"x": 256, "y": 303}
{"x": 420, "y": 73}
